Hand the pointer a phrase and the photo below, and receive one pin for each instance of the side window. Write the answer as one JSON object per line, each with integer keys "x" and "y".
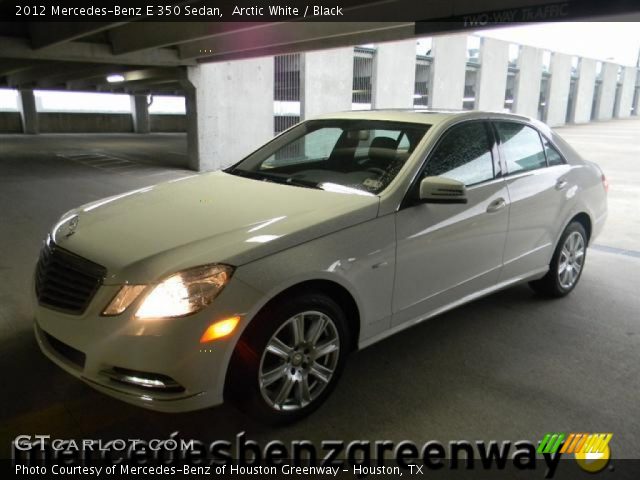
{"x": 521, "y": 147}
{"x": 553, "y": 156}
{"x": 463, "y": 154}
{"x": 403, "y": 145}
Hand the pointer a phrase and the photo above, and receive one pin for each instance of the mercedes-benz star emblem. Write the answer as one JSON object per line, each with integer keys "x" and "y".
{"x": 70, "y": 226}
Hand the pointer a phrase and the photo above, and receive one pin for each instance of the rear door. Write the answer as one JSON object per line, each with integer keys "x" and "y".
{"x": 538, "y": 191}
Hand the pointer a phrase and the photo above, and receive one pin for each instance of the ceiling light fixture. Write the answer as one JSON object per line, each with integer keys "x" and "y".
{"x": 115, "y": 78}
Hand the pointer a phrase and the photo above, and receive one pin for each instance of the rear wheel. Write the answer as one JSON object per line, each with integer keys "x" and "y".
{"x": 290, "y": 358}
{"x": 566, "y": 264}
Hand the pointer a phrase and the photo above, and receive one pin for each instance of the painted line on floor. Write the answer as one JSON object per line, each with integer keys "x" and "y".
{"x": 617, "y": 251}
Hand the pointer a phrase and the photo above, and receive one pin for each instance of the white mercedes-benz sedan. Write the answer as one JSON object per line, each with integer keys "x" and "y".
{"x": 254, "y": 283}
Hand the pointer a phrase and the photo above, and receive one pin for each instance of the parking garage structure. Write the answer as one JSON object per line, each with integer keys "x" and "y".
{"x": 231, "y": 107}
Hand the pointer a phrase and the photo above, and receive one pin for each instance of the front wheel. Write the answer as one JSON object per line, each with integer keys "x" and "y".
{"x": 290, "y": 358}
{"x": 566, "y": 264}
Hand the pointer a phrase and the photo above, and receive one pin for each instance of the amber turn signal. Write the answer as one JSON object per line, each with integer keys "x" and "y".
{"x": 220, "y": 329}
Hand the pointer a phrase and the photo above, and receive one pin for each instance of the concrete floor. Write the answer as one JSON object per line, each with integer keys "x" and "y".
{"x": 511, "y": 366}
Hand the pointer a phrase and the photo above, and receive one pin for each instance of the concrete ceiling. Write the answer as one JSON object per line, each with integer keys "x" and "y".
{"x": 152, "y": 56}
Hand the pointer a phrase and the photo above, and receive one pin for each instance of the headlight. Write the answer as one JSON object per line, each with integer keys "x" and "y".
{"x": 125, "y": 297}
{"x": 180, "y": 294}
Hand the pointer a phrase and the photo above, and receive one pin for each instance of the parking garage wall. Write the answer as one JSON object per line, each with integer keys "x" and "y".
{"x": 65, "y": 122}
{"x": 10, "y": 122}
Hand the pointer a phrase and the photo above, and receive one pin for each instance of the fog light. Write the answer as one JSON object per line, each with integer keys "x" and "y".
{"x": 220, "y": 329}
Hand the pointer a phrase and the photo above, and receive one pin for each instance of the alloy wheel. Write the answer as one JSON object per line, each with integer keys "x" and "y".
{"x": 299, "y": 361}
{"x": 571, "y": 260}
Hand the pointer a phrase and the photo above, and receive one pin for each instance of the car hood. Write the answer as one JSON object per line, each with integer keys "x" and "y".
{"x": 144, "y": 235}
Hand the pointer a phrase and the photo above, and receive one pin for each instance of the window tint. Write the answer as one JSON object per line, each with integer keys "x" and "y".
{"x": 521, "y": 147}
{"x": 316, "y": 145}
{"x": 553, "y": 156}
{"x": 361, "y": 155}
{"x": 464, "y": 154}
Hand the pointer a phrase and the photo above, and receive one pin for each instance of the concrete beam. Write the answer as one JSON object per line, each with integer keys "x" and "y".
{"x": 28, "y": 113}
{"x": 607, "y": 96}
{"x": 295, "y": 36}
{"x": 627, "y": 91}
{"x": 394, "y": 74}
{"x": 13, "y": 65}
{"x": 559, "y": 86}
{"x": 527, "y": 91}
{"x": 234, "y": 108}
{"x": 47, "y": 73}
{"x": 137, "y": 36}
{"x": 140, "y": 114}
{"x": 13, "y": 47}
{"x": 326, "y": 81}
{"x": 47, "y": 34}
{"x": 97, "y": 76}
{"x": 494, "y": 66}
{"x": 583, "y": 103}
{"x": 448, "y": 71}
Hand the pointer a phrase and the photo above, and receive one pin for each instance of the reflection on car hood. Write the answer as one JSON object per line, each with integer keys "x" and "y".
{"x": 143, "y": 235}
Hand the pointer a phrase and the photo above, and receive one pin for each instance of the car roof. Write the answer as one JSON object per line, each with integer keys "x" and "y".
{"x": 426, "y": 116}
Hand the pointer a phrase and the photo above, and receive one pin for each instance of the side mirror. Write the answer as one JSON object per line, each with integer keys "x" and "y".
{"x": 442, "y": 190}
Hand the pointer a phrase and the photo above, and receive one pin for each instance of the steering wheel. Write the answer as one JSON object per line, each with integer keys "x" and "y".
{"x": 378, "y": 171}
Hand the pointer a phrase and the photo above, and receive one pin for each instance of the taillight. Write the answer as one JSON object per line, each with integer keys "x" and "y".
{"x": 605, "y": 183}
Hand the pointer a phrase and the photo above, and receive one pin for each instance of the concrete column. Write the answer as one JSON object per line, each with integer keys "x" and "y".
{"x": 448, "y": 71}
{"x": 585, "y": 88}
{"x": 28, "y": 113}
{"x": 191, "y": 110}
{"x": 636, "y": 105}
{"x": 559, "y": 85}
{"x": 527, "y": 91}
{"x": 326, "y": 81}
{"x": 494, "y": 66}
{"x": 394, "y": 74}
{"x": 140, "y": 114}
{"x": 234, "y": 110}
{"x": 627, "y": 91}
{"x": 607, "y": 97}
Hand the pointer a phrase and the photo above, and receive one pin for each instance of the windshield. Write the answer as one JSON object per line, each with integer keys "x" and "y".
{"x": 356, "y": 156}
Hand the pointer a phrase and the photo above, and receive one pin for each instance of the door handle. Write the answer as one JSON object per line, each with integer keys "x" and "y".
{"x": 497, "y": 204}
{"x": 560, "y": 184}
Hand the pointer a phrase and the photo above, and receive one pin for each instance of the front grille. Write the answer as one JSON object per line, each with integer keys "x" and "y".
{"x": 65, "y": 281}
{"x": 65, "y": 351}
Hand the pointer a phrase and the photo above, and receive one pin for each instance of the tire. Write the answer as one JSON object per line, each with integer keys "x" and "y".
{"x": 279, "y": 378}
{"x": 563, "y": 276}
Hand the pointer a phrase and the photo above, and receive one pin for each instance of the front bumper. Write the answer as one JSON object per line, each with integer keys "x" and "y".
{"x": 104, "y": 351}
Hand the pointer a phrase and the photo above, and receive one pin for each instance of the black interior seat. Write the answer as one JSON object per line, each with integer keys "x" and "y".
{"x": 382, "y": 153}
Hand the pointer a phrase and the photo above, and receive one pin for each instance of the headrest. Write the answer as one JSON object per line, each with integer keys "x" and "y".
{"x": 384, "y": 142}
{"x": 383, "y": 148}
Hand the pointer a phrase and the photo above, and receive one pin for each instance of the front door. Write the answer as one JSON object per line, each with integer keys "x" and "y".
{"x": 446, "y": 252}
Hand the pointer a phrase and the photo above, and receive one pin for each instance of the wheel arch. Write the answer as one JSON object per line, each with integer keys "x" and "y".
{"x": 583, "y": 219}
{"x": 332, "y": 289}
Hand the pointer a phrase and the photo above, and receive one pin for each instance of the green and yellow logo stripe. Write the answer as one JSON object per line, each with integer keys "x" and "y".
{"x": 575, "y": 443}
{"x": 591, "y": 450}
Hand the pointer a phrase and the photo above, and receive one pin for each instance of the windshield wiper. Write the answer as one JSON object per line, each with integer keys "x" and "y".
{"x": 274, "y": 177}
